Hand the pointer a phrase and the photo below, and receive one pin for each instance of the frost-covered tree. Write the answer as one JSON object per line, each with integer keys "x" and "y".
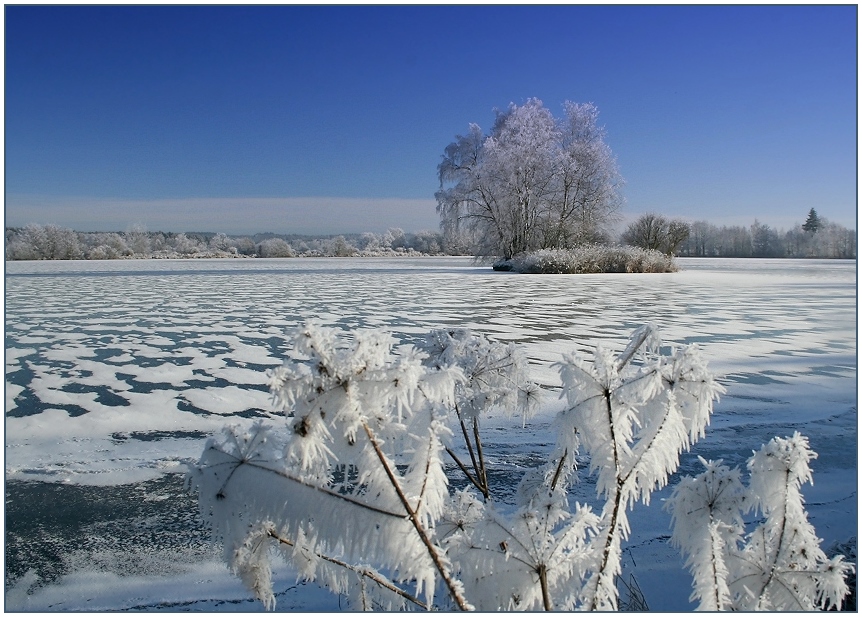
{"x": 338, "y": 247}
{"x": 275, "y": 247}
{"x": 369, "y": 241}
{"x": 647, "y": 232}
{"x": 533, "y": 182}
{"x": 395, "y": 238}
{"x": 110, "y": 245}
{"x": 588, "y": 184}
{"x": 23, "y": 244}
{"x": 45, "y": 242}
{"x": 468, "y": 216}
{"x": 353, "y": 490}
{"x": 185, "y": 245}
{"x": 244, "y": 245}
{"x": 220, "y": 243}
{"x": 764, "y": 241}
{"x": 138, "y": 240}
{"x": 428, "y": 242}
{"x": 519, "y": 167}
{"x": 701, "y": 240}
{"x": 678, "y": 232}
{"x": 830, "y": 241}
{"x": 779, "y": 565}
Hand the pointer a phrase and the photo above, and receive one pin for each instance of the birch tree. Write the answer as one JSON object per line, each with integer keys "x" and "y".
{"x": 533, "y": 182}
{"x": 588, "y": 184}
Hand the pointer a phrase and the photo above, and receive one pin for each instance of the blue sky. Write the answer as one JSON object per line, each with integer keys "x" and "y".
{"x": 332, "y": 119}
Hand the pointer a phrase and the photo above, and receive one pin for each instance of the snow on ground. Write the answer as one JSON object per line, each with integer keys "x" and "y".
{"x": 116, "y": 372}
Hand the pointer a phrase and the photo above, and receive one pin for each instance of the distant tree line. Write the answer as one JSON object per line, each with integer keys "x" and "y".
{"x": 816, "y": 238}
{"x": 820, "y": 239}
{"x": 53, "y": 242}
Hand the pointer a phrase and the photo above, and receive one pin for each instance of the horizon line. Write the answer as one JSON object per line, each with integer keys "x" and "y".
{"x": 302, "y": 215}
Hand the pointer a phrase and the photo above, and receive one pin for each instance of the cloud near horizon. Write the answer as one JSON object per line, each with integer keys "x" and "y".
{"x": 283, "y": 215}
{"x": 230, "y": 215}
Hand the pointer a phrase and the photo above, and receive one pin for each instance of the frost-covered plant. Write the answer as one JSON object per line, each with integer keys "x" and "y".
{"x": 353, "y": 491}
{"x": 357, "y": 477}
{"x": 633, "y": 418}
{"x": 496, "y": 375}
{"x": 592, "y": 259}
{"x": 779, "y": 565}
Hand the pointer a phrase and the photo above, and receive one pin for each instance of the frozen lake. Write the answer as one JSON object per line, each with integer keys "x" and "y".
{"x": 117, "y": 371}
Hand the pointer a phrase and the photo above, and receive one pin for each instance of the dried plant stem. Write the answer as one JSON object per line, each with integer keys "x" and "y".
{"x": 478, "y": 464}
{"x": 481, "y": 471}
{"x": 308, "y": 485}
{"x": 559, "y": 469}
{"x": 363, "y": 572}
{"x": 479, "y": 477}
{"x": 601, "y": 573}
{"x": 779, "y": 545}
{"x": 632, "y": 348}
{"x": 417, "y": 524}
{"x": 464, "y": 469}
{"x": 543, "y": 581}
{"x": 614, "y": 523}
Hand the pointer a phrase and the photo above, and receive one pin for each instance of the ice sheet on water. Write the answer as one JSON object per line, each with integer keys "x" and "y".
{"x": 126, "y": 386}
{"x": 229, "y": 400}
{"x": 166, "y": 329}
{"x": 13, "y": 354}
{"x": 12, "y": 392}
{"x": 167, "y": 371}
{"x": 207, "y": 587}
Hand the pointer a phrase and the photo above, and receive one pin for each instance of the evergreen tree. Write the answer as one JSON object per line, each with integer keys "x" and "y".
{"x": 812, "y": 223}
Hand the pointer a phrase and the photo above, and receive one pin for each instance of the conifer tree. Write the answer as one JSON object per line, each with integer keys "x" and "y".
{"x": 812, "y": 223}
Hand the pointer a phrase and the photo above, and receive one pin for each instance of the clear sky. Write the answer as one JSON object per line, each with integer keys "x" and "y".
{"x": 332, "y": 119}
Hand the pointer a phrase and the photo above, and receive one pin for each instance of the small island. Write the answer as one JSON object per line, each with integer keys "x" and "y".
{"x": 589, "y": 259}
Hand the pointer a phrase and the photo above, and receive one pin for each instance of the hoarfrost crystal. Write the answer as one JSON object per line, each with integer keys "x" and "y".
{"x": 353, "y": 492}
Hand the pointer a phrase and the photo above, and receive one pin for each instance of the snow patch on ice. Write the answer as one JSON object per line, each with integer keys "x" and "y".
{"x": 228, "y": 400}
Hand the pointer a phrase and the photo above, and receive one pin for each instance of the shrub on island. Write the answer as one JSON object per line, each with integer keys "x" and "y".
{"x": 589, "y": 259}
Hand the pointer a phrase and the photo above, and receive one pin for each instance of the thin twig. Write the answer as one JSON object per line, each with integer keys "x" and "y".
{"x": 319, "y": 489}
{"x": 781, "y": 538}
{"x": 612, "y": 528}
{"x": 414, "y": 519}
{"x": 482, "y": 471}
{"x": 464, "y": 469}
{"x": 377, "y": 578}
{"x": 559, "y": 469}
{"x": 426, "y": 475}
{"x": 633, "y": 346}
{"x": 467, "y": 441}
